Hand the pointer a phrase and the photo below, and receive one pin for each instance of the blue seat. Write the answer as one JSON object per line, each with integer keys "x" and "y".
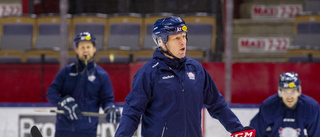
{"x": 308, "y": 28}
{"x": 17, "y": 33}
{"x": 312, "y": 5}
{"x": 311, "y": 41}
{"x": 201, "y": 36}
{"x": 93, "y": 23}
{"x": 49, "y": 29}
{"x": 18, "y": 29}
{"x": 48, "y": 36}
{"x": 124, "y": 33}
{"x": 16, "y": 42}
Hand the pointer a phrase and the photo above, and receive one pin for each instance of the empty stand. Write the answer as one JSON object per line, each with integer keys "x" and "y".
{"x": 48, "y": 40}
{"x": 11, "y": 56}
{"x": 302, "y": 55}
{"x": 263, "y": 27}
{"x": 306, "y": 42}
{"x": 312, "y": 6}
{"x": 42, "y": 56}
{"x": 306, "y": 48}
{"x": 307, "y": 24}
{"x": 311, "y": 41}
{"x": 114, "y": 56}
{"x": 124, "y": 38}
{"x": 201, "y": 36}
{"x": 17, "y": 33}
{"x": 93, "y": 23}
{"x": 125, "y": 32}
{"x": 16, "y": 37}
{"x": 48, "y": 36}
{"x": 261, "y": 35}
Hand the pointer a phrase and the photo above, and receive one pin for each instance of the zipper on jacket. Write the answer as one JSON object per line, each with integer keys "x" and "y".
{"x": 164, "y": 129}
{"x": 181, "y": 78}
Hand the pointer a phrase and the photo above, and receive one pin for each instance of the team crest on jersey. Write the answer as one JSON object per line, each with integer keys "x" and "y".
{"x": 289, "y": 132}
{"x": 191, "y": 75}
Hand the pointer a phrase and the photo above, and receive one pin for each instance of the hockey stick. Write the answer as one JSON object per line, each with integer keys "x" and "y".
{"x": 94, "y": 114}
{"x": 35, "y": 132}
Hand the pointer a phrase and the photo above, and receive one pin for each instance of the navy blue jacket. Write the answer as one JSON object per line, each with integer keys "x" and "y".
{"x": 89, "y": 95}
{"x": 169, "y": 94}
{"x": 275, "y": 118}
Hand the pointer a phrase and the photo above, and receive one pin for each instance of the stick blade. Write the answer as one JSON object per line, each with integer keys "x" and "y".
{"x": 35, "y": 132}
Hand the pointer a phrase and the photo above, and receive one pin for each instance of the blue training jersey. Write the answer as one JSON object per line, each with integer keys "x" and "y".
{"x": 274, "y": 119}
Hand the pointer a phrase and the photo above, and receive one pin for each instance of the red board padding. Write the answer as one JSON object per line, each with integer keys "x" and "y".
{"x": 251, "y": 82}
{"x": 254, "y": 82}
{"x": 23, "y": 82}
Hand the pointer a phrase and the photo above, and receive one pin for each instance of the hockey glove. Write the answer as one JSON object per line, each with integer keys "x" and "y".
{"x": 70, "y": 108}
{"x": 113, "y": 114}
{"x": 245, "y": 132}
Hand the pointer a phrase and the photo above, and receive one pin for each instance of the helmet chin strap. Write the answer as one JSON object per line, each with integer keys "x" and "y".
{"x": 168, "y": 52}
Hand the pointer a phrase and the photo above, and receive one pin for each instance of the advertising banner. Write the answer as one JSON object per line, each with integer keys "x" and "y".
{"x": 263, "y": 44}
{"x": 275, "y": 11}
{"x": 10, "y": 10}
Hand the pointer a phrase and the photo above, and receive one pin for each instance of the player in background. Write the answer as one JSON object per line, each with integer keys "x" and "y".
{"x": 169, "y": 91}
{"x": 288, "y": 113}
{"x": 82, "y": 86}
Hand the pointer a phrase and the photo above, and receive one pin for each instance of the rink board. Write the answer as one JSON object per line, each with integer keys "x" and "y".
{"x": 17, "y": 119}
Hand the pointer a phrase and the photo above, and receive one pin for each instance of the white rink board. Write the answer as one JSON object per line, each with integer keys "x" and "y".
{"x": 17, "y": 121}
{"x": 213, "y": 128}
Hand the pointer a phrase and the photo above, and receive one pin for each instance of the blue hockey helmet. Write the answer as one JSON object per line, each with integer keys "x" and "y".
{"x": 289, "y": 80}
{"x": 164, "y": 27}
{"x": 84, "y": 36}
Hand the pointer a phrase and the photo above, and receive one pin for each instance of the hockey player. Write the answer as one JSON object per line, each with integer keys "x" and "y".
{"x": 170, "y": 90}
{"x": 288, "y": 113}
{"x": 82, "y": 86}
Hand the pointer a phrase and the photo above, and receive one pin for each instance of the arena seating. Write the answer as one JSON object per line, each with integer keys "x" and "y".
{"x": 124, "y": 33}
{"x": 17, "y": 35}
{"x": 48, "y": 41}
{"x": 201, "y": 35}
{"x": 265, "y": 29}
{"x": 93, "y": 23}
{"x": 306, "y": 42}
{"x": 42, "y": 56}
{"x": 312, "y": 6}
{"x": 121, "y": 38}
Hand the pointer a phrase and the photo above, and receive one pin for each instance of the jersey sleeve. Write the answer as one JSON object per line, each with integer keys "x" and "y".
{"x": 313, "y": 125}
{"x": 135, "y": 104}
{"x": 53, "y": 92}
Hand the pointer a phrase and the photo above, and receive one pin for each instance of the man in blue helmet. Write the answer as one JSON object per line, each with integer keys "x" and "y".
{"x": 288, "y": 113}
{"x": 170, "y": 91}
{"x": 82, "y": 86}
